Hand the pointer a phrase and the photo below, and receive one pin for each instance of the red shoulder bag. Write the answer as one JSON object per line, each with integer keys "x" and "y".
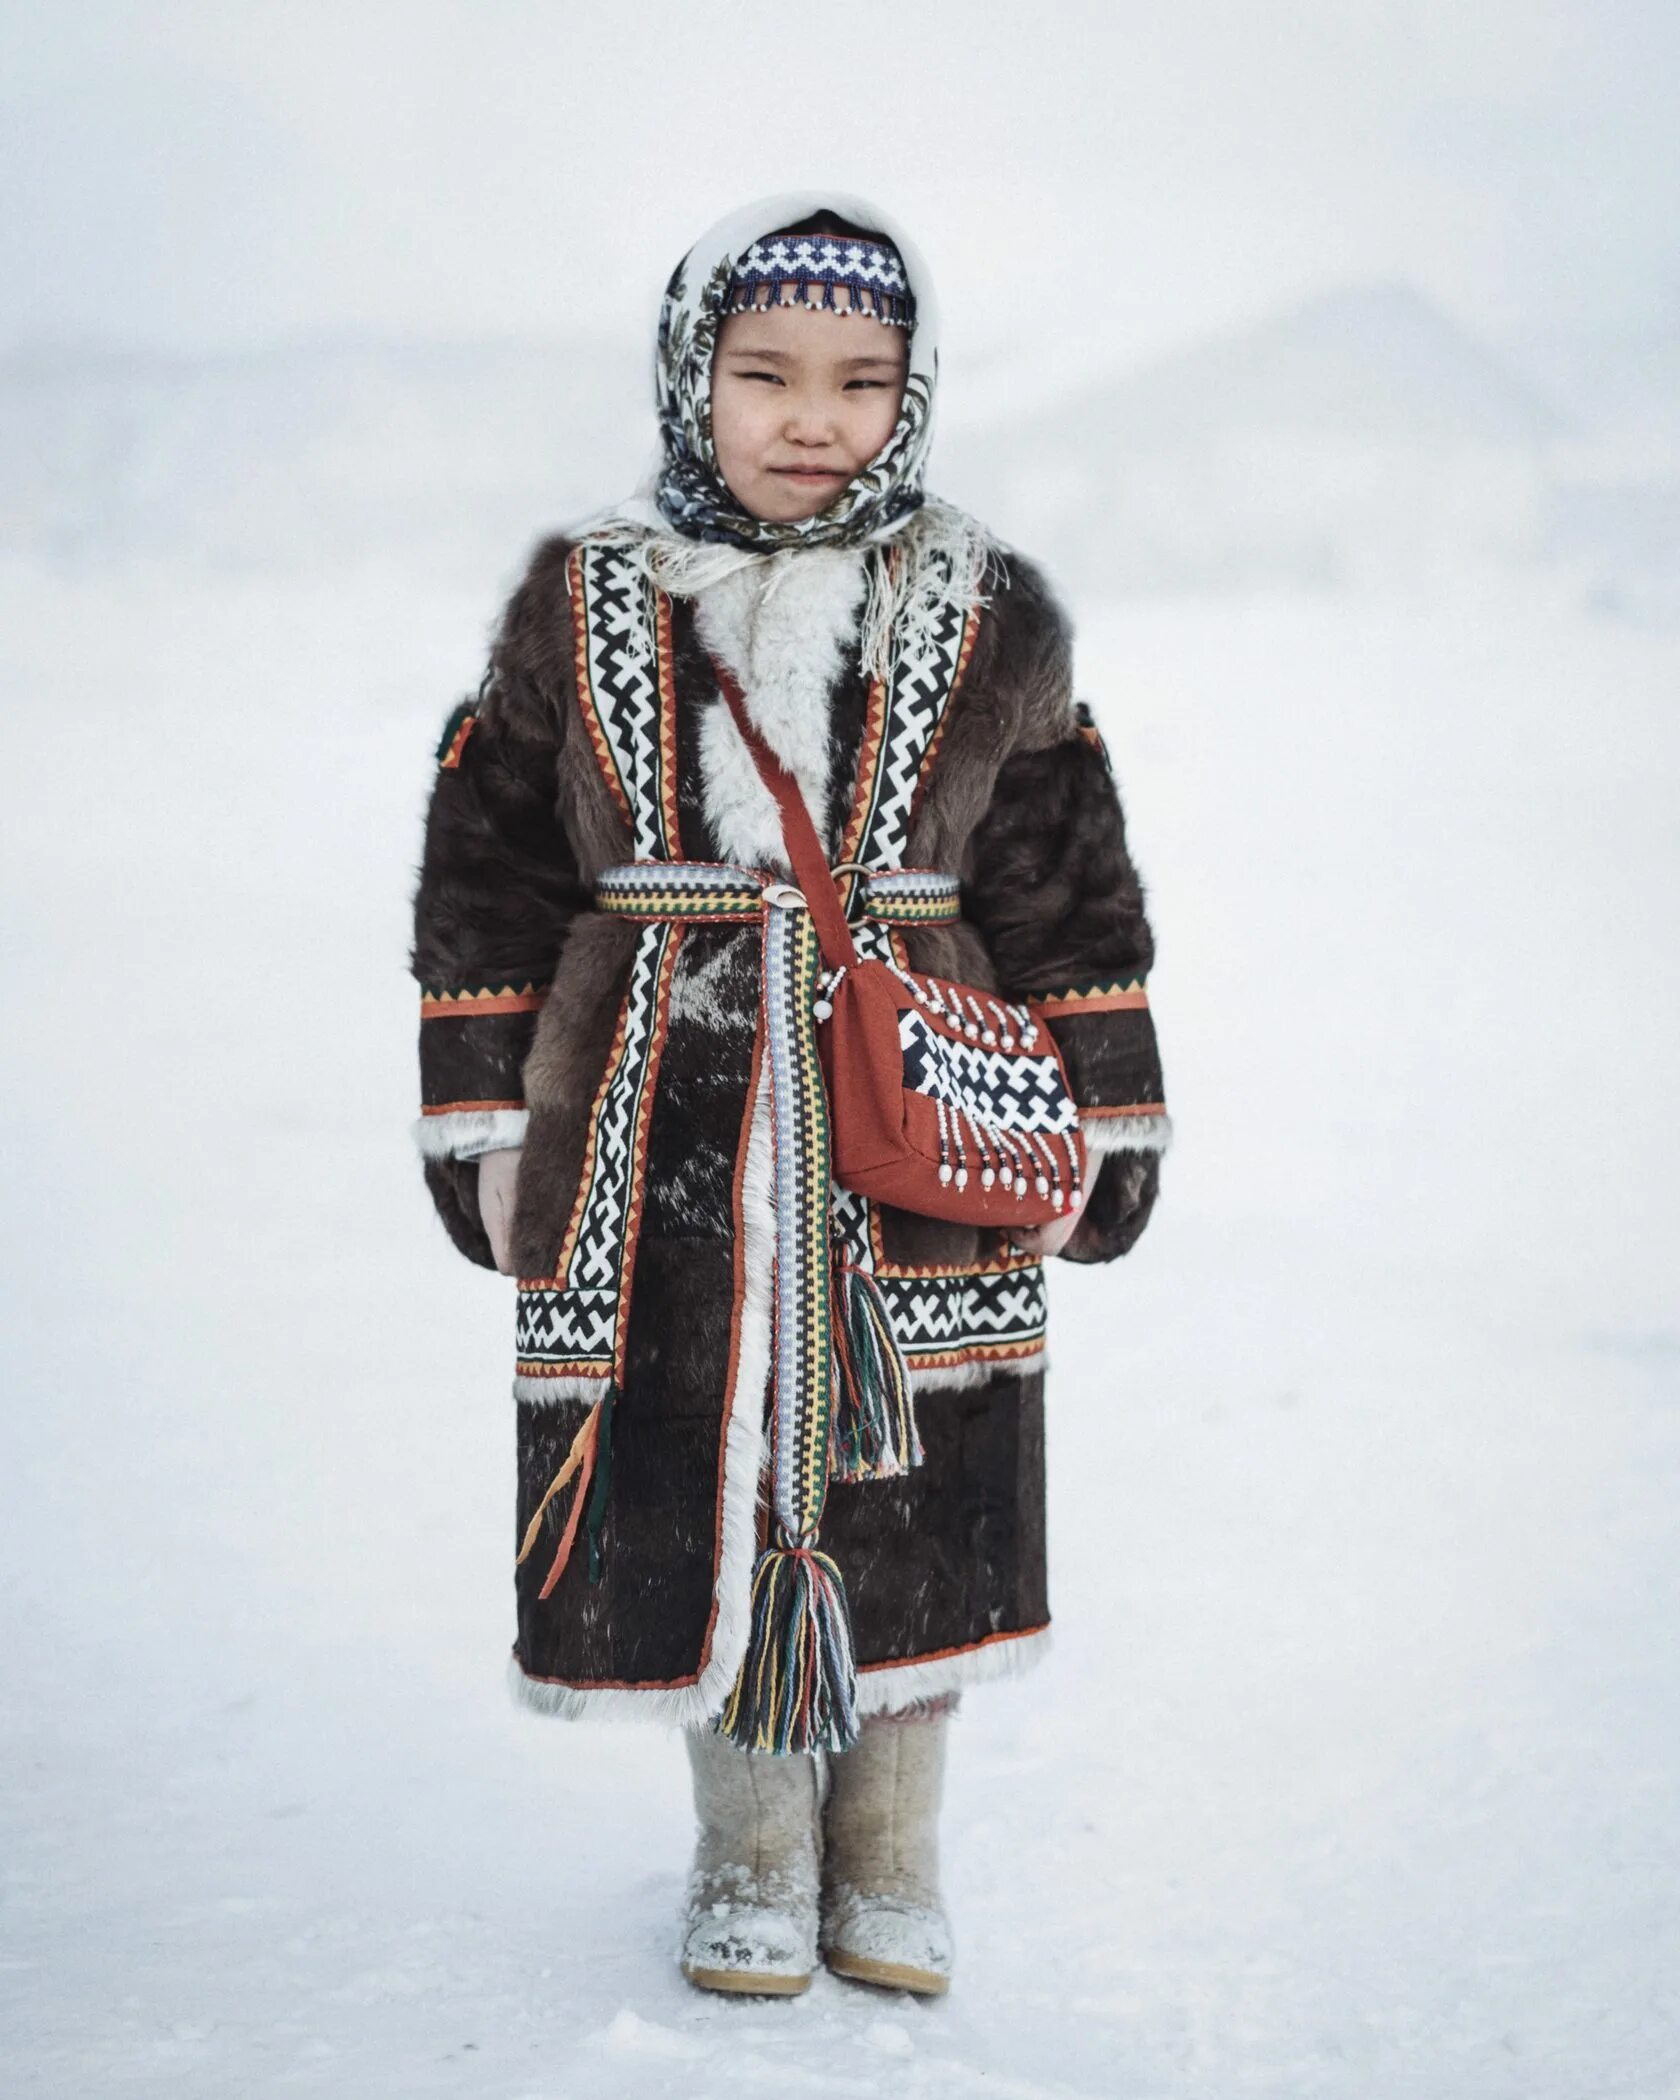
{"x": 943, "y": 1098}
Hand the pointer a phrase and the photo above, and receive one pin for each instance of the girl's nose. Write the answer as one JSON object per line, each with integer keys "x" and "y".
{"x": 810, "y": 423}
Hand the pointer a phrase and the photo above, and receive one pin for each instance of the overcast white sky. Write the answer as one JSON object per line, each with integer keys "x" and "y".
{"x": 207, "y": 176}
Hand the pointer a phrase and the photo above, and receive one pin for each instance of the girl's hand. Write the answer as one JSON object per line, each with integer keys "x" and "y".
{"x": 1049, "y": 1238}
{"x": 498, "y": 1179}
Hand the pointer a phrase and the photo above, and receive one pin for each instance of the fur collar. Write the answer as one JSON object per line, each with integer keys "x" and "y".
{"x": 782, "y": 627}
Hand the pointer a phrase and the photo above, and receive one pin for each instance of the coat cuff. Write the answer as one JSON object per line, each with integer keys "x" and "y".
{"x": 474, "y": 1040}
{"x": 1146, "y": 1129}
{"x": 468, "y": 1131}
{"x": 1106, "y": 1034}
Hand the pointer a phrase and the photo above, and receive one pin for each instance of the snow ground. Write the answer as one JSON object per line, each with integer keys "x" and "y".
{"x": 1353, "y": 1770}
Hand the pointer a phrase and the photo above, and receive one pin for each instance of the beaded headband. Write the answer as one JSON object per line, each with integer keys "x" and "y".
{"x": 871, "y": 270}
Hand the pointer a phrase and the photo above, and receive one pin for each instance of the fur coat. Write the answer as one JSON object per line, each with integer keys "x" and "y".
{"x": 524, "y": 990}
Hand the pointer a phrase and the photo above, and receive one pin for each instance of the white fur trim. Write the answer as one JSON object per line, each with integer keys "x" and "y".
{"x": 465, "y": 1133}
{"x": 896, "y": 1685}
{"x": 937, "y": 1378}
{"x": 1125, "y": 1133}
{"x": 537, "y": 1391}
{"x": 781, "y": 627}
{"x": 571, "y": 1702}
{"x": 743, "y": 1460}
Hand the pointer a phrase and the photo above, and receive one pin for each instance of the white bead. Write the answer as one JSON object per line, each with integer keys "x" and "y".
{"x": 962, "y": 1177}
{"x": 822, "y": 1009}
{"x": 1057, "y": 1199}
{"x": 945, "y": 1170}
{"x": 1007, "y": 1176}
{"x": 987, "y": 1177}
{"x": 1042, "y": 1186}
{"x": 989, "y": 1038}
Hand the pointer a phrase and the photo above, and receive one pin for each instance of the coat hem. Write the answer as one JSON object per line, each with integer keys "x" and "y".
{"x": 886, "y": 1687}
{"x": 883, "y": 1688}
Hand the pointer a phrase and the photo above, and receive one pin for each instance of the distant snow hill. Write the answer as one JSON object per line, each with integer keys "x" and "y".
{"x": 1362, "y": 431}
{"x": 310, "y": 453}
{"x": 1361, "y": 437}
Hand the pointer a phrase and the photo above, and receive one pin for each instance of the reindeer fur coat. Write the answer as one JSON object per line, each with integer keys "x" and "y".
{"x": 523, "y": 992}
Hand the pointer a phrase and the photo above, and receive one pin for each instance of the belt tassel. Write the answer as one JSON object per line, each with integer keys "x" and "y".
{"x": 875, "y": 1419}
{"x": 797, "y": 1689}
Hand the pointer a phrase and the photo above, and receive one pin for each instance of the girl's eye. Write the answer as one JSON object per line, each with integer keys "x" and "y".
{"x": 774, "y": 377}
{"x": 865, "y": 382}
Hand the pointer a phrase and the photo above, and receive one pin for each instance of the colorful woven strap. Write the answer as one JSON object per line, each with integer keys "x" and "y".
{"x": 694, "y": 889}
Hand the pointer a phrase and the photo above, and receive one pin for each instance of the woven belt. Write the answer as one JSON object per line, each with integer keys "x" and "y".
{"x": 698, "y": 889}
{"x": 833, "y": 1345}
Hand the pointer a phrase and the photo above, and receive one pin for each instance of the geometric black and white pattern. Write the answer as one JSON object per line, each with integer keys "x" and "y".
{"x": 576, "y": 1321}
{"x": 919, "y": 687}
{"x": 935, "y": 1314}
{"x": 624, "y": 687}
{"x": 1004, "y": 1090}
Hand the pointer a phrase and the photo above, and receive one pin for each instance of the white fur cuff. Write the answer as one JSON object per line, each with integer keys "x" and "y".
{"x": 1125, "y": 1133}
{"x": 466, "y": 1133}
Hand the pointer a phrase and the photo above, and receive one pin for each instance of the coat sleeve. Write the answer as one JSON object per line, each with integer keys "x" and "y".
{"x": 1050, "y": 883}
{"x": 498, "y": 889}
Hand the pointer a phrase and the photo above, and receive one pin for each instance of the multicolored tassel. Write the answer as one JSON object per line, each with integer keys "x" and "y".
{"x": 797, "y": 1687}
{"x": 874, "y": 1427}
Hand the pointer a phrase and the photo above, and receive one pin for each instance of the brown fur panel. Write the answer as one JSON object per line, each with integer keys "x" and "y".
{"x": 533, "y": 646}
{"x": 1047, "y": 877}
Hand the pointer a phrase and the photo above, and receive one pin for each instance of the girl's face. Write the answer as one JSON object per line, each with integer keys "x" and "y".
{"x": 802, "y": 398}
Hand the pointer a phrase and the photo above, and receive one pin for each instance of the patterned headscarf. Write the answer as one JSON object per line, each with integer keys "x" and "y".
{"x": 692, "y": 496}
{"x": 686, "y": 530}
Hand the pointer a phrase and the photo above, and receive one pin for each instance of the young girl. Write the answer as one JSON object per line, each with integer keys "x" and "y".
{"x": 610, "y": 1116}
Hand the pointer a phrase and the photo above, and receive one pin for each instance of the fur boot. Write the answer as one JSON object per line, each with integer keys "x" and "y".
{"x": 751, "y": 1918}
{"x": 882, "y": 1919}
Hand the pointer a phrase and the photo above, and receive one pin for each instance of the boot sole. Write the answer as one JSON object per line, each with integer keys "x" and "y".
{"x": 889, "y": 1975}
{"x": 745, "y": 1984}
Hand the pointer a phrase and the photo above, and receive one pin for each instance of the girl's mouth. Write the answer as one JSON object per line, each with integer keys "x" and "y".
{"x": 811, "y": 473}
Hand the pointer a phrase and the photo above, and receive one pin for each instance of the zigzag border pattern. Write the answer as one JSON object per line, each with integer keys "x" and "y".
{"x": 622, "y": 634}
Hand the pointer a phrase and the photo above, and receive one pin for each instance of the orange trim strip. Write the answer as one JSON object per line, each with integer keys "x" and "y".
{"x": 1135, "y": 1108}
{"x": 481, "y": 1003}
{"x": 1091, "y": 1003}
{"x": 869, "y": 752}
{"x": 452, "y": 757}
{"x": 976, "y": 1352}
{"x": 462, "y": 1108}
